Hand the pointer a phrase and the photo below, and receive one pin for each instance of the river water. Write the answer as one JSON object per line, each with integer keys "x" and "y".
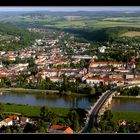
{"x": 125, "y": 105}
{"x": 47, "y": 100}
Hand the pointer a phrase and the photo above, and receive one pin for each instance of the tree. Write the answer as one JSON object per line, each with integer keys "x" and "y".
{"x": 107, "y": 115}
{"x": 93, "y": 130}
{"x": 8, "y": 130}
{"x": 41, "y": 130}
{"x": 29, "y": 128}
{"x": 103, "y": 125}
{"x": 44, "y": 112}
{"x": 19, "y": 130}
{"x": 92, "y": 91}
{"x": 74, "y": 118}
{"x": 114, "y": 125}
{"x": 1, "y": 107}
{"x": 123, "y": 129}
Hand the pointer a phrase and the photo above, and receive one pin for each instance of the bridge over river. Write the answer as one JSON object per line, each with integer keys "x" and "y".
{"x": 100, "y": 106}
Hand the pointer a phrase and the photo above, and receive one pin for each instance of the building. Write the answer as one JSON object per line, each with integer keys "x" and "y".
{"x": 56, "y": 79}
{"x": 24, "y": 120}
{"x": 114, "y": 64}
{"x": 6, "y": 122}
{"x": 102, "y": 49}
{"x": 60, "y": 129}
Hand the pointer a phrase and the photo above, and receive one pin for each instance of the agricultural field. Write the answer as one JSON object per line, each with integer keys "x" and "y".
{"x": 130, "y": 34}
{"x": 74, "y": 21}
{"x": 70, "y": 24}
{"x": 95, "y": 23}
{"x": 135, "y": 116}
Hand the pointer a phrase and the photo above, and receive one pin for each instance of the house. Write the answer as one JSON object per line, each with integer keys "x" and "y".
{"x": 14, "y": 117}
{"x": 24, "y": 120}
{"x": 95, "y": 80}
{"x": 60, "y": 129}
{"x": 56, "y": 79}
{"x": 122, "y": 70}
{"x": 133, "y": 81}
{"x": 72, "y": 80}
{"x": 122, "y": 122}
{"x": 114, "y": 75}
{"x": 114, "y": 64}
{"x": 3, "y": 123}
{"x": 68, "y": 72}
{"x": 127, "y": 76}
{"x": 102, "y": 49}
{"x": 11, "y": 57}
{"x": 7, "y": 122}
{"x": 48, "y": 73}
{"x": 117, "y": 81}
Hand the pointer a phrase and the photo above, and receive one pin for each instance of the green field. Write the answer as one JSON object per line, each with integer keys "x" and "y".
{"x": 37, "y": 91}
{"x": 75, "y": 21}
{"x": 29, "y": 92}
{"x": 70, "y": 24}
{"x": 32, "y": 110}
{"x": 135, "y": 116}
{"x": 130, "y": 34}
{"x": 98, "y": 23}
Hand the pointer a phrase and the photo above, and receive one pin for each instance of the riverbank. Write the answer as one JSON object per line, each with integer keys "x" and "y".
{"x": 39, "y": 91}
{"x": 32, "y": 110}
{"x": 127, "y": 97}
{"x": 135, "y": 116}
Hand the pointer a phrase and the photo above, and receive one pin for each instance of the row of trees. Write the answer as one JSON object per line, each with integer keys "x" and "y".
{"x": 134, "y": 91}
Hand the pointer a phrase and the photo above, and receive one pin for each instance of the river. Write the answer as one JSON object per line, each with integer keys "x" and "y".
{"x": 125, "y": 105}
{"x": 47, "y": 100}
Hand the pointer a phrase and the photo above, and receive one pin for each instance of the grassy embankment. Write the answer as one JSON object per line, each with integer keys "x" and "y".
{"x": 135, "y": 116}
{"x": 127, "y": 97}
{"x": 44, "y": 92}
{"x": 32, "y": 110}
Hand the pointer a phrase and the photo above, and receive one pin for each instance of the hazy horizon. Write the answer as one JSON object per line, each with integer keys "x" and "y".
{"x": 68, "y": 8}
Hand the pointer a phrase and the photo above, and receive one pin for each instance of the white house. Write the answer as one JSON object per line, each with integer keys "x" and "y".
{"x": 94, "y": 80}
{"x": 102, "y": 49}
{"x": 56, "y": 79}
{"x": 6, "y": 122}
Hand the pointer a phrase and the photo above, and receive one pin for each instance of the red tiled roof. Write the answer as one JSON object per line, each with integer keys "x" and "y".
{"x": 108, "y": 63}
{"x": 58, "y": 127}
{"x": 72, "y": 79}
{"x": 7, "y": 119}
{"x": 61, "y": 127}
{"x": 54, "y": 77}
{"x": 68, "y": 130}
{"x": 106, "y": 79}
{"x": 13, "y": 117}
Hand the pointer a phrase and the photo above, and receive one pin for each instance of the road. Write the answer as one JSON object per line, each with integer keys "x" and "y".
{"x": 91, "y": 119}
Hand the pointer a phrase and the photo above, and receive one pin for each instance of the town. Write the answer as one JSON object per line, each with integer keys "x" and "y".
{"x": 70, "y": 72}
{"x": 51, "y": 59}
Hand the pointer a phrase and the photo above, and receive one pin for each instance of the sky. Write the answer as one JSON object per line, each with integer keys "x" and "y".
{"x": 68, "y": 8}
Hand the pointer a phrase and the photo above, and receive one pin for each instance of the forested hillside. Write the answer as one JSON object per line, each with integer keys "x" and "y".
{"x": 25, "y": 37}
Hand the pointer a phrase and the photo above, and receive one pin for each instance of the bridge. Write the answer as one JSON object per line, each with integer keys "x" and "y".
{"x": 101, "y": 105}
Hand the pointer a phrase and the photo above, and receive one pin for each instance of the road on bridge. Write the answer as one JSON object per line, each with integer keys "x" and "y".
{"x": 92, "y": 118}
